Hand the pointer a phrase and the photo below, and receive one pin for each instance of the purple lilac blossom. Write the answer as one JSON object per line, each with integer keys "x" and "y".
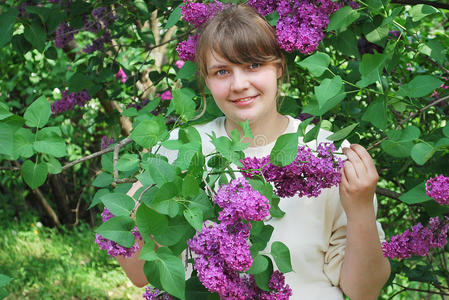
{"x": 419, "y": 240}
{"x": 64, "y": 35}
{"x": 438, "y": 189}
{"x": 179, "y": 63}
{"x": 121, "y": 75}
{"x": 199, "y": 13}
{"x": 240, "y": 202}
{"x": 105, "y": 142}
{"x": 167, "y": 95}
{"x": 186, "y": 49}
{"x": 263, "y": 7}
{"x": 307, "y": 175}
{"x": 138, "y": 106}
{"x": 112, "y": 247}
{"x": 68, "y": 101}
{"x": 222, "y": 250}
{"x": 152, "y": 293}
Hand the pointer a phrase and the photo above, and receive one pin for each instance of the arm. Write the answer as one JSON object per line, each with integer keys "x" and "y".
{"x": 365, "y": 269}
{"x": 133, "y": 266}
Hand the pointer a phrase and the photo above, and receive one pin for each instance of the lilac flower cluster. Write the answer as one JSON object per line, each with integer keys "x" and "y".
{"x": 165, "y": 96}
{"x": 152, "y": 293}
{"x": 64, "y": 35}
{"x": 186, "y": 49}
{"x": 112, "y": 247}
{"x": 419, "y": 240}
{"x": 307, "y": 175}
{"x": 106, "y": 141}
{"x": 121, "y": 75}
{"x": 222, "y": 250}
{"x": 300, "y": 26}
{"x": 438, "y": 189}
{"x": 103, "y": 18}
{"x": 68, "y": 101}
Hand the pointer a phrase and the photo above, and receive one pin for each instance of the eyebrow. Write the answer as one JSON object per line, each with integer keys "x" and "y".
{"x": 213, "y": 67}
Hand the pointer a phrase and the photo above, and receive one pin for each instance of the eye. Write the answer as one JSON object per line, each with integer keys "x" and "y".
{"x": 254, "y": 66}
{"x": 221, "y": 72}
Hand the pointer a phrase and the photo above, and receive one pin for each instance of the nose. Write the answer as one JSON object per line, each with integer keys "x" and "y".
{"x": 240, "y": 81}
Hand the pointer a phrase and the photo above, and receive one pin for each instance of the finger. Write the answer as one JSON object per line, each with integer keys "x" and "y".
{"x": 344, "y": 181}
{"x": 357, "y": 163}
{"x": 350, "y": 173}
{"x": 365, "y": 157}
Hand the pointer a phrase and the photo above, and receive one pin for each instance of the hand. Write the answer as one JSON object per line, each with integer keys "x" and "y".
{"x": 358, "y": 181}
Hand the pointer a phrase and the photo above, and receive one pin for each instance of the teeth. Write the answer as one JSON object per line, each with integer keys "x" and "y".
{"x": 244, "y": 99}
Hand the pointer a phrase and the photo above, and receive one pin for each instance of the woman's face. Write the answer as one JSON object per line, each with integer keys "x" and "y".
{"x": 243, "y": 91}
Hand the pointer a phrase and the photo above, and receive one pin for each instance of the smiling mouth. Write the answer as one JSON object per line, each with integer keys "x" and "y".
{"x": 246, "y": 99}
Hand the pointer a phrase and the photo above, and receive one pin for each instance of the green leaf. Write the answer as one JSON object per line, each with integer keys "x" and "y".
{"x": 36, "y": 35}
{"x": 342, "y": 133}
{"x": 378, "y": 34}
{"x": 420, "y": 86}
{"x": 416, "y": 194}
{"x": 97, "y": 196}
{"x": 370, "y": 68}
{"x": 50, "y": 143}
{"x": 34, "y": 174}
{"x": 203, "y": 202}
{"x": 51, "y": 53}
{"x": 172, "y": 273}
{"x": 421, "y": 153}
{"x": 177, "y": 229}
{"x": 408, "y": 134}
{"x": 446, "y": 130}
{"x": 442, "y": 143}
{"x": 23, "y": 142}
{"x": 397, "y": 149}
{"x": 347, "y": 43}
{"x": 4, "y": 111}
{"x": 118, "y": 204}
{"x": 260, "y": 235}
{"x": 187, "y": 71}
{"x": 148, "y": 251}
{"x": 246, "y": 129}
{"x": 80, "y": 81}
{"x": 194, "y": 216}
{"x": 421, "y": 11}
{"x": 38, "y": 113}
{"x": 314, "y": 109}
{"x": 264, "y": 277}
{"x": 128, "y": 162}
{"x": 4, "y": 280}
{"x": 103, "y": 179}
{"x": 377, "y": 113}
{"x": 142, "y": 7}
{"x": 285, "y": 150}
{"x": 146, "y": 134}
{"x": 312, "y": 134}
{"x": 190, "y": 187}
{"x": 342, "y": 18}
{"x": 433, "y": 49}
{"x": 196, "y": 291}
{"x": 316, "y": 64}
{"x": 7, "y": 21}
{"x": 260, "y": 264}
{"x": 183, "y": 103}
{"x": 328, "y": 89}
{"x": 54, "y": 166}
{"x": 150, "y": 222}
{"x": 281, "y": 256}
{"x": 6, "y": 138}
{"x": 225, "y": 147}
{"x": 164, "y": 201}
{"x": 118, "y": 229}
{"x": 174, "y": 17}
{"x": 160, "y": 171}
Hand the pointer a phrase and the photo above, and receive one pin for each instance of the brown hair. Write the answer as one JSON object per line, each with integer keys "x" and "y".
{"x": 241, "y": 36}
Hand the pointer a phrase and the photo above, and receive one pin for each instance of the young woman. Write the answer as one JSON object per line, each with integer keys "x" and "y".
{"x": 334, "y": 239}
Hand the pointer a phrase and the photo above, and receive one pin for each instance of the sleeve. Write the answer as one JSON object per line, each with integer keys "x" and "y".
{"x": 333, "y": 257}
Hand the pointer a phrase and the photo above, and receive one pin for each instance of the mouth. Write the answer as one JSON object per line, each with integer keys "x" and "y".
{"x": 244, "y": 100}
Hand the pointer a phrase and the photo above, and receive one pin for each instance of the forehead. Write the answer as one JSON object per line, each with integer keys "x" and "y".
{"x": 214, "y": 60}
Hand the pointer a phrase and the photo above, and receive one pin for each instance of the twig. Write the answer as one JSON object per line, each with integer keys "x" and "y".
{"x": 387, "y": 193}
{"x": 420, "y": 290}
{"x": 115, "y": 160}
{"x": 77, "y": 208}
{"x": 432, "y": 61}
{"x": 413, "y": 115}
{"x": 436, "y": 4}
{"x": 122, "y": 143}
{"x": 9, "y": 169}
{"x": 140, "y": 198}
{"x": 47, "y": 207}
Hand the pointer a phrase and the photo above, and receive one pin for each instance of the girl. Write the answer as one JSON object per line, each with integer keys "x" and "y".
{"x": 334, "y": 239}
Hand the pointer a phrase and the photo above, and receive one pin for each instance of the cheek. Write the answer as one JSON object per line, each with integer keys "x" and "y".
{"x": 218, "y": 88}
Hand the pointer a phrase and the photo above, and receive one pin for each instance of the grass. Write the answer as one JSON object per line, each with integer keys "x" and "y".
{"x": 50, "y": 264}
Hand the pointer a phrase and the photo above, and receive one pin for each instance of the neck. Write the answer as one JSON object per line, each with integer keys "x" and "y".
{"x": 265, "y": 131}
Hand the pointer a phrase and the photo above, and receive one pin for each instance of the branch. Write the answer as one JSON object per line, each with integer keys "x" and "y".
{"x": 122, "y": 143}
{"x": 420, "y": 290}
{"x": 387, "y": 193}
{"x": 432, "y": 61}
{"x": 47, "y": 207}
{"x": 412, "y": 116}
{"x": 414, "y": 2}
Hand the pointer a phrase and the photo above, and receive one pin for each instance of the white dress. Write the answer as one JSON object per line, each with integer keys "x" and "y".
{"x": 314, "y": 229}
